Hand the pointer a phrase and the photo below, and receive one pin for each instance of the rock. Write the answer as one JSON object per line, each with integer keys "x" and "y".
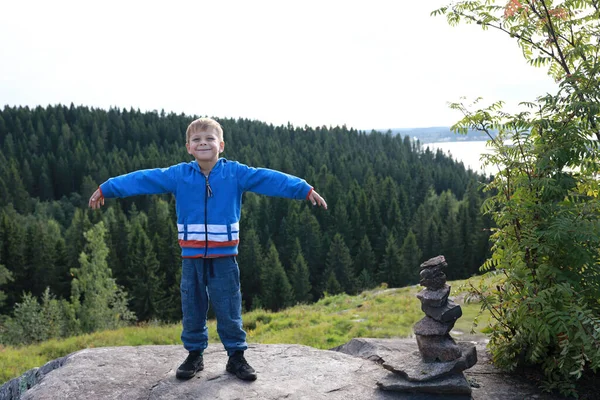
{"x": 148, "y": 372}
{"x": 493, "y": 383}
{"x": 431, "y": 273}
{"x": 136, "y": 372}
{"x": 455, "y": 384}
{"x": 413, "y": 368}
{"x": 434, "y": 298}
{"x": 434, "y": 262}
{"x": 435, "y": 282}
{"x": 14, "y": 388}
{"x": 430, "y": 327}
{"x": 399, "y": 356}
{"x": 438, "y": 348}
{"x": 448, "y": 312}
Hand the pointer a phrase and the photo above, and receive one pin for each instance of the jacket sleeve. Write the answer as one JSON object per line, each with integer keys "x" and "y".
{"x": 145, "y": 181}
{"x": 271, "y": 183}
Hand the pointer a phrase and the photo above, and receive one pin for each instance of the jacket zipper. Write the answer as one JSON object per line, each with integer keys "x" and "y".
{"x": 207, "y": 193}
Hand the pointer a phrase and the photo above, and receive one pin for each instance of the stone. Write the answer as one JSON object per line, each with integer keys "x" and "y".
{"x": 434, "y": 262}
{"x": 414, "y": 368}
{"x": 490, "y": 382}
{"x": 14, "y": 388}
{"x": 154, "y": 368}
{"x": 430, "y": 327}
{"x": 434, "y": 283}
{"x": 434, "y": 298}
{"x": 148, "y": 372}
{"x": 430, "y": 273}
{"x": 438, "y": 348}
{"x": 448, "y": 312}
{"x": 455, "y": 384}
{"x": 399, "y": 356}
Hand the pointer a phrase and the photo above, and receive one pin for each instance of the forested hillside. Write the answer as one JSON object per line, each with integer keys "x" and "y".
{"x": 391, "y": 206}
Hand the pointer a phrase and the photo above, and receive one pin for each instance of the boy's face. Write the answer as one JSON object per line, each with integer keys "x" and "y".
{"x": 205, "y": 145}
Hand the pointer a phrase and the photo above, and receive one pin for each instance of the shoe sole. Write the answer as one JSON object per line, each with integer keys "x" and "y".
{"x": 187, "y": 374}
{"x": 248, "y": 378}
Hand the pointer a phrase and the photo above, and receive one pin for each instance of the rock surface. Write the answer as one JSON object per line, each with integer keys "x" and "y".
{"x": 403, "y": 360}
{"x": 430, "y": 327}
{"x": 285, "y": 372}
{"x": 438, "y": 348}
{"x": 148, "y": 372}
{"x": 434, "y": 298}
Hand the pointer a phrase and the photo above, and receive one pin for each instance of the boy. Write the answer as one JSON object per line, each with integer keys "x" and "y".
{"x": 208, "y": 194}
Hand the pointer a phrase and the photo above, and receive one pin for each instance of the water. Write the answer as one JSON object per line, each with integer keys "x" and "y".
{"x": 467, "y": 152}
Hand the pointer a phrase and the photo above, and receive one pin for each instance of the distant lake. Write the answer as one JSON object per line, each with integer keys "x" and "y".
{"x": 467, "y": 152}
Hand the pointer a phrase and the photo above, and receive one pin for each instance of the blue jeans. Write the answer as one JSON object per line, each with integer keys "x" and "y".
{"x": 217, "y": 280}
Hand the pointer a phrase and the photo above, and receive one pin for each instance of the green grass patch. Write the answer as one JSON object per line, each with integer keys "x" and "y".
{"x": 330, "y": 322}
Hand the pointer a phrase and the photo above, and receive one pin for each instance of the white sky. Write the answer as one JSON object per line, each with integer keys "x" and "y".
{"x": 367, "y": 64}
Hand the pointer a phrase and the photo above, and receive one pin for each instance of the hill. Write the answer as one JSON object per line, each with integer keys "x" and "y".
{"x": 438, "y": 134}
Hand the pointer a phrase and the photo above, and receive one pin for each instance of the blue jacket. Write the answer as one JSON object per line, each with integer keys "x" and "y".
{"x": 208, "y": 209}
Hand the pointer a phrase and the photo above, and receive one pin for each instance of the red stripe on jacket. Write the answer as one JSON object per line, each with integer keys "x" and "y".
{"x": 211, "y": 244}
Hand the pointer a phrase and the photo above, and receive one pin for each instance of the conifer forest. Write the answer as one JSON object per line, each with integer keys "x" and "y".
{"x": 393, "y": 203}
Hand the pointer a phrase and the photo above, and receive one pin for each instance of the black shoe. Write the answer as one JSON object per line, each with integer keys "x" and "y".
{"x": 192, "y": 364}
{"x": 238, "y": 365}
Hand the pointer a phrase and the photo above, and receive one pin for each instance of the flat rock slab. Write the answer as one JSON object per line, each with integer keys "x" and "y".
{"x": 148, "y": 372}
{"x": 285, "y": 372}
{"x": 402, "y": 359}
{"x": 438, "y": 348}
{"x": 487, "y": 382}
{"x": 434, "y": 298}
{"x": 428, "y": 326}
{"x": 455, "y": 384}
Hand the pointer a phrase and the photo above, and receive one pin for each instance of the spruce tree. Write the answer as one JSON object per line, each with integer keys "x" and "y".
{"x": 5, "y": 277}
{"x": 277, "y": 291}
{"x": 251, "y": 263}
{"x": 390, "y": 270}
{"x": 97, "y": 301}
{"x": 365, "y": 259}
{"x": 145, "y": 276}
{"x": 340, "y": 262}
{"x": 299, "y": 275}
{"x": 332, "y": 286}
{"x": 74, "y": 237}
{"x": 411, "y": 256}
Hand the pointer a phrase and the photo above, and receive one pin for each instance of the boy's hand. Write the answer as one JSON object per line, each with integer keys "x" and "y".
{"x": 315, "y": 198}
{"x": 97, "y": 200}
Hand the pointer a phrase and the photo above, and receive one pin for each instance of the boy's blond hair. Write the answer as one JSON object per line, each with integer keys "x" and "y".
{"x": 201, "y": 125}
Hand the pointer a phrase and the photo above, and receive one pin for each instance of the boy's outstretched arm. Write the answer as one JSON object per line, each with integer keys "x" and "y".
{"x": 97, "y": 200}
{"x": 316, "y": 199}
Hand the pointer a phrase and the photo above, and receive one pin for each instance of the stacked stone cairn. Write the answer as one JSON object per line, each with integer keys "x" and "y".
{"x": 433, "y": 331}
{"x": 437, "y": 368}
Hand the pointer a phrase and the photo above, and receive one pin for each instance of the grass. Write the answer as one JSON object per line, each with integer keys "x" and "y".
{"x": 330, "y": 322}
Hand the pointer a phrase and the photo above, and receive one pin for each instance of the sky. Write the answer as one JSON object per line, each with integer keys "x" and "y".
{"x": 364, "y": 64}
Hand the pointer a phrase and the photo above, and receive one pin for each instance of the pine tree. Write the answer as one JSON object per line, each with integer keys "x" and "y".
{"x": 5, "y": 277}
{"x": 309, "y": 234}
{"x": 12, "y": 227}
{"x": 251, "y": 264}
{"x": 97, "y": 301}
{"x": 365, "y": 259}
{"x": 411, "y": 256}
{"x": 340, "y": 262}
{"x": 74, "y": 237}
{"x": 277, "y": 291}
{"x": 145, "y": 277}
{"x": 299, "y": 275}
{"x": 168, "y": 253}
{"x": 390, "y": 270}
{"x": 332, "y": 286}
{"x": 118, "y": 225}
